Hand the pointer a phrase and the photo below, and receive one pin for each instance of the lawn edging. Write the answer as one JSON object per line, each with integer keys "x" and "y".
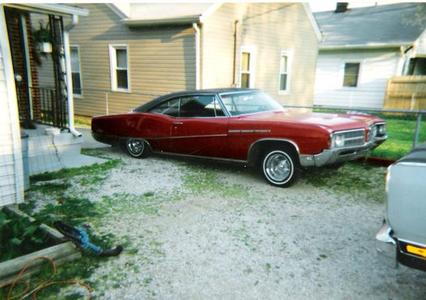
{"x": 59, "y": 254}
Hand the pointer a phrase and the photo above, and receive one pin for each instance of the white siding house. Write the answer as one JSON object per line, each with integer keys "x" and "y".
{"x": 12, "y": 166}
{"x": 362, "y": 48}
{"x": 11, "y": 171}
{"x": 376, "y": 67}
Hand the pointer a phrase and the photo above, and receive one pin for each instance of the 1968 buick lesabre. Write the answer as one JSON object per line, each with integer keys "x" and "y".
{"x": 242, "y": 125}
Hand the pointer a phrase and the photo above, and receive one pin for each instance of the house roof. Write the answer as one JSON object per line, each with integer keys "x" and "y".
{"x": 164, "y": 13}
{"x": 391, "y": 25}
{"x": 141, "y": 14}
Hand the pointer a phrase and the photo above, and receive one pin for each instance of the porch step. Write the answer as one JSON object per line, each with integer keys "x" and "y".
{"x": 48, "y": 153}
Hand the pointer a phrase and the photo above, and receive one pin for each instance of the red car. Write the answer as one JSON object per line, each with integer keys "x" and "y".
{"x": 242, "y": 125}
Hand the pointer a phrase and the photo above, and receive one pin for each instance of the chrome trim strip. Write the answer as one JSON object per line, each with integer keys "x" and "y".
{"x": 412, "y": 164}
{"x": 355, "y": 138}
{"x": 202, "y": 157}
{"x": 413, "y": 243}
{"x": 273, "y": 139}
{"x": 188, "y": 136}
{"x": 249, "y": 130}
{"x": 351, "y": 130}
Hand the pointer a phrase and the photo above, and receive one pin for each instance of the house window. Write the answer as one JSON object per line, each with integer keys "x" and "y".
{"x": 417, "y": 66}
{"x": 351, "y": 74}
{"x": 76, "y": 70}
{"x": 119, "y": 62}
{"x": 245, "y": 69}
{"x": 284, "y": 72}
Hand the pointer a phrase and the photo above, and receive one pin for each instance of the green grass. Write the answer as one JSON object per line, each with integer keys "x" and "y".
{"x": 350, "y": 179}
{"x": 82, "y": 121}
{"x": 400, "y": 138}
{"x": 67, "y": 173}
{"x": 66, "y": 206}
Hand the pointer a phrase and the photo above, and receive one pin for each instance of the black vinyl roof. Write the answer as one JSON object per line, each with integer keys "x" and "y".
{"x": 147, "y": 106}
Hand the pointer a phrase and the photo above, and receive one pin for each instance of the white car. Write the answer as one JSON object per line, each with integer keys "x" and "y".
{"x": 405, "y": 224}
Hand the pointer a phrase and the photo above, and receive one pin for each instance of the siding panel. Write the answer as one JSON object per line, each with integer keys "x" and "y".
{"x": 162, "y": 60}
{"x": 269, "y": 28}
{"x": 9, "y": 177}
{"x": 377, "y": 66}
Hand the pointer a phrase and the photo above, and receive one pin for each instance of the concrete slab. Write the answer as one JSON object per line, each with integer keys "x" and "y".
{"x": 47, "y": 153}
{"x": 76, "y": 161}
{"x": 88, "y": 141}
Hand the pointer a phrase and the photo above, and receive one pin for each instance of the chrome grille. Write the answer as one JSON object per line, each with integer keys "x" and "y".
{"x": 354, "y": 138}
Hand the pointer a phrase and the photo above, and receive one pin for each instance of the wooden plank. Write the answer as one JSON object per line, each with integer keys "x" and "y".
{"x": 60, "y": 261}
{"x": 53, "y": 233}
{"x": 13, "y": 266}
{"x": 59, "y": 253}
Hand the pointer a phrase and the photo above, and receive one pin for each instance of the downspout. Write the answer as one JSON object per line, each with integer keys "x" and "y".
{"x": 197, "y": 56}
{"x": 234, "y": 62}
{"x": 70, "y": 96}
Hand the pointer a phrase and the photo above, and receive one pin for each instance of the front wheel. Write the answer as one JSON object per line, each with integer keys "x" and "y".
{"x": 279, "y": 167}
{"x": 136, "y": 147}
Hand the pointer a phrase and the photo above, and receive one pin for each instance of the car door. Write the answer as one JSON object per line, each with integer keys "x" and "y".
{"x": 158, "y": 123}
{"x": 201, "y": 127}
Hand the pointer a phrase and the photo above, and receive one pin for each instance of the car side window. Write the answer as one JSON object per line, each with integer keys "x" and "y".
{"x": 200, "y": 106}
{"x": 169, "y": 107}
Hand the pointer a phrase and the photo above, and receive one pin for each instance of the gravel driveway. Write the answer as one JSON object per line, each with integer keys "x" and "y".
{"x": 203, "y": 230}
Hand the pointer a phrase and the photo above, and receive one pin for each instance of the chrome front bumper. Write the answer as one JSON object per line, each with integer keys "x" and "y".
{"x": 384, "y": 234}
{"x": 337, "y": 155}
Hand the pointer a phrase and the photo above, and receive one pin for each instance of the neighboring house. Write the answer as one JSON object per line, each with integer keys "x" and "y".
{"x": 362, "y": 48}
{"x": 128, "y": 54}
{"x": 24, "y": 106}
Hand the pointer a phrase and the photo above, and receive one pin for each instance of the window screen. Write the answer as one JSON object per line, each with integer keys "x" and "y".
{"x": 245, "y": 69}
{"x": 75, "y": 71}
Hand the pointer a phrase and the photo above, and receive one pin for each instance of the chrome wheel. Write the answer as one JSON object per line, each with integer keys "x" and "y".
{"x": 135, "y": 147}
{"x": 278, "y": 167}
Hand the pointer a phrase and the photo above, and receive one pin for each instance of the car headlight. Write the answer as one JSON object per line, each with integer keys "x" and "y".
{"x": 338, "y": 140}
{"x": 381, "y": 130}
{"x": 374, "y": 131}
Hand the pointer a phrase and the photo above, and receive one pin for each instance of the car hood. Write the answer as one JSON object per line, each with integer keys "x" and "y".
{"x": 328, "y": 121}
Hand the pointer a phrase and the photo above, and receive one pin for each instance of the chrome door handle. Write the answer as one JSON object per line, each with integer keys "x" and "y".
{"x": 177, "y": 123}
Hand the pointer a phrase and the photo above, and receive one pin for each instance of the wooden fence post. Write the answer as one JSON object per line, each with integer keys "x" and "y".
{"x": 417, "y": 131}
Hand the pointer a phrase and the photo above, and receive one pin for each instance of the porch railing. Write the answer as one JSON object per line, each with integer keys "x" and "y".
{"x": 49, "y": 107}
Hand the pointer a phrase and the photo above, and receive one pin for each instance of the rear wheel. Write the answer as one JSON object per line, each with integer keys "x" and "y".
{"x": 279, "y": 166}
{"x": 136, "y": 147}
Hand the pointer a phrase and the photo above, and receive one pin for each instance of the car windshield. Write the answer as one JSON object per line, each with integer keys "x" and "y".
{"x": 249, "y": 102}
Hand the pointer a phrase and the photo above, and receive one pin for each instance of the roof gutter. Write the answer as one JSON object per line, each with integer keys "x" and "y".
{"x": 197, "y": 55}
{"x": 150, "y": 22}
{"x": 363, "y": 46}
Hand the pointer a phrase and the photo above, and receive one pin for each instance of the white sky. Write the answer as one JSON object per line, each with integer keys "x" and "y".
{"x": 322, "y": 5}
